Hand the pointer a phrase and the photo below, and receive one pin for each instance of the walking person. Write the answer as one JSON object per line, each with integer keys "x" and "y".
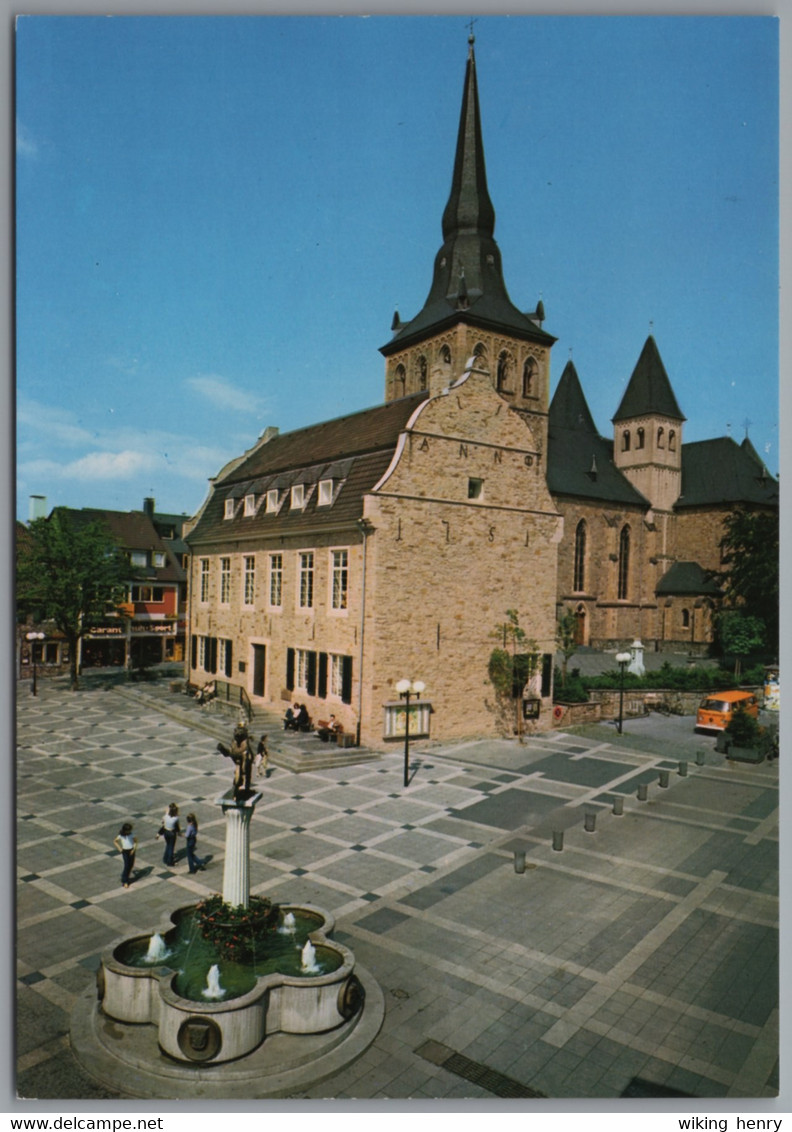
{"x": 126, "y": 844}
{"x": 191, "y": 836}
{"x": 262, "y": 757}
{"x": 170, "y": 830}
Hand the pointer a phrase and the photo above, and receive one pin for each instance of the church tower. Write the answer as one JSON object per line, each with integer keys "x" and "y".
{"x": 468, "y": 311}
{"x": 647, "y": 432}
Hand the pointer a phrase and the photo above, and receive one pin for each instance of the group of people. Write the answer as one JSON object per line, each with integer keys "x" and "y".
{"x": 297, "y": 718}
{"x": 169, "y": 830}
{"x": 245, "y": 761}
{"x": 206, "y": 693}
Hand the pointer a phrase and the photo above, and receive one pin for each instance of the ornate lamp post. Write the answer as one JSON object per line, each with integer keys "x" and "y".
{"x": 407, "y": 688}
{"x": 622, "y": 659}
{"x": 33, "y": 637}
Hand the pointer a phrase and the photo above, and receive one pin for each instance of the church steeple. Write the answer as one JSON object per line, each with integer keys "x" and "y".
{"x": 468, "y": 310}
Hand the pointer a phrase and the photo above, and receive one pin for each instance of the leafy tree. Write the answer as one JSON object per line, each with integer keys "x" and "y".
{"x": 69, "y": 572}
{"x": 566, "y": 634}
{"x": 750, "y": 555}
{"x": 740, "y": 635}
{"x": 511, "y": 667}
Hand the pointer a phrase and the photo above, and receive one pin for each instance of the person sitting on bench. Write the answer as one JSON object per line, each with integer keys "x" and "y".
{"x": 303, "y": 719}
{"x": 207, "y": 693}
{"x": 329, "y": 729}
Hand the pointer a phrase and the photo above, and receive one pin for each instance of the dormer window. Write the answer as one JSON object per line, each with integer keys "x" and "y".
{"x": 230, "y": 505}
{"x": 325, "y": 493}
{"x": 250, "y": 505}
{"x": 273, "y": 498}
{"x": 298, "y": 496}
{"x": 138, "y": 558}
{"x": 158, "y": 558}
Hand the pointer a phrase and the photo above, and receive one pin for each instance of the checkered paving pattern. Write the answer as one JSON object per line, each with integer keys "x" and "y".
{"x": 645, "y": 951}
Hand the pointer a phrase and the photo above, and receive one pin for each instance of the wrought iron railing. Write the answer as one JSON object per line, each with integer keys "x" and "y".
{"x": 234, "y": 695}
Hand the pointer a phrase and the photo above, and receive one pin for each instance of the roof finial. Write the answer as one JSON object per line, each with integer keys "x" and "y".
{"x": 471, "y": 36}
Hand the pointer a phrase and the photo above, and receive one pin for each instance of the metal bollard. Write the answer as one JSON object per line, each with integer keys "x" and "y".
{"x": 618, "y": 804}
{"x": 519, "y": 860}
{"x": 664, "y": 778}
{"x": 590, "y": 822}
{"x": 699, "y": 758}
{"x": 558, "y": 839}
{"x": 643, "y": 792}
{"x": 683, "y": 769}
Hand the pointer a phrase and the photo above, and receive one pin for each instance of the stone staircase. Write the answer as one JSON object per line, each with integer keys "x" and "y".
{"x": 290, "y": 750}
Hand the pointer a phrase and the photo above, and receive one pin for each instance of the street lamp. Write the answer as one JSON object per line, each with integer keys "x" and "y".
{"x": 407, "y": 688}
{"x": 622, "y": 659}
{"x": 33, "y": 637}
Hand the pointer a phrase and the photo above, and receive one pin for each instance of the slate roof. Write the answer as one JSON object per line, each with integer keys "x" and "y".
{"x": 468, "y": 284}
{"x": 579, "y": 460}
{"x": 649, "y": 390}
{"x": 355, "y": 451}
{"x": 132, "y": 530}
{"x": 685, "y": 578}
{"x": 721, "y": 472}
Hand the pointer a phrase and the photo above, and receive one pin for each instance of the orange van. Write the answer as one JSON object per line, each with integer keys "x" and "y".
{"x": 715, "y": 710}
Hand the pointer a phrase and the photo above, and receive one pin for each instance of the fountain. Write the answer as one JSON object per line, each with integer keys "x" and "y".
{"x": 157, "y": 950}
{"x": 213, "y": 988}
{"x": 224, "y": 992}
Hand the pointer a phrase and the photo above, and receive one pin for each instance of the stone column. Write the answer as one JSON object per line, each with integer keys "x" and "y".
{"x": 236, "y": 872}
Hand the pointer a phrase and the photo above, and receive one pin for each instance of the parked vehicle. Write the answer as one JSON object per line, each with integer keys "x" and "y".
{"x": 716, "y": 709}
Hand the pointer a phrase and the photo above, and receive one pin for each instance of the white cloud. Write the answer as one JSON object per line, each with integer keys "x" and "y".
{"x": 53, "y": 423}
{"x": 92, "y": 466}
{"x": 225, "y": 395}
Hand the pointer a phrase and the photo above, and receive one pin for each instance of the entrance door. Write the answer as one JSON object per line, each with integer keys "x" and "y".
{"x": 259, "y": 668}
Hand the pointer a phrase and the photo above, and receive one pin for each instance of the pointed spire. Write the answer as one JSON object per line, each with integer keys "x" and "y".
{"x": 649, "y": 391}
{"x": 569, "y": 408}
{"x": 469, "y": 207}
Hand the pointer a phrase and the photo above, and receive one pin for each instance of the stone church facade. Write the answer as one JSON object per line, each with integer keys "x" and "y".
{"x": 333, "y": 561}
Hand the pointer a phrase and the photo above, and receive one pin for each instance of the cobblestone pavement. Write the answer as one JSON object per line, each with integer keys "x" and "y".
{"x": 638, "y": 960}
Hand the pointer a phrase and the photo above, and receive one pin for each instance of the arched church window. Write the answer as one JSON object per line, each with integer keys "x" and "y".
{"x": 639, "y": 438}
{"x": 480, "y": 351}
{"x": 685, "y": 618}
{"x": 624, "y": 563}
{"x": 661, "y": 437}
{"x": 422, "y": 372}
{"x": 530, "y": 370}
{"x": 505, "y": 371}
{"x": 445, "y": 355}
{"x": 400, "y": 380}
{"x": 625, "y": 441}
{"x": 579, "y": 581}
{"x": 672, "y": 441}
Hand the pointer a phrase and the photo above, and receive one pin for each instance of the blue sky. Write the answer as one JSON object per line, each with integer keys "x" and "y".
{"x": 216, "y": 218}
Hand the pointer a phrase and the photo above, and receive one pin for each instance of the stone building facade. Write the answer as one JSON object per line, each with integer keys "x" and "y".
{"x": 331, "y": 562}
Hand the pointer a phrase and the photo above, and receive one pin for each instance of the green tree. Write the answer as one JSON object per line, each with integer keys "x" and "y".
{"x": 750, "y": 556}
{"x": 70, "y": 572}
{"x": 514, "y": 663}
{"x": 740, "y": 635}
{"x": 566, "y": 640}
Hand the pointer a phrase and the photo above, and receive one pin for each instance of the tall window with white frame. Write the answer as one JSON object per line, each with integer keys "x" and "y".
{"x": 250, "y": 579}
{"x": 306, "y": 579}
{"x": 302, "y": 669}
{"x": 336, "y": 675}
{"x": 340, "y": 572}
{"x": 225, "y": 581}
{"x": 204, "y": 579}
{"x": 276, "y": 580}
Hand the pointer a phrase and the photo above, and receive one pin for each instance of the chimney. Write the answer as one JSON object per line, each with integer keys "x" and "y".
{"x": 38, "y": 507}
{"x": 148, "y": 507}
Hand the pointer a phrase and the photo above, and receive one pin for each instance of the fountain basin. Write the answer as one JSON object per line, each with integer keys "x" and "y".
{"x": 209, "y": 1031}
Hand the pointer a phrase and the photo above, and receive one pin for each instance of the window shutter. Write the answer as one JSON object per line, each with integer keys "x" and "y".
{"x": 193, "y": 652}
{"x": 229, "y": 667}
{"x": 213, "y": 655}
{"x": 547, "y": 672}
{"x": 290, "y": 669}
{"x": 322, "y": 689}
{"x": 310, "y": 676}
{"x": 346, "y": 680}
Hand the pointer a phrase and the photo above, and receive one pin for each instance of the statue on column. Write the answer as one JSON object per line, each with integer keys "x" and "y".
{"x": 241, "y": 754}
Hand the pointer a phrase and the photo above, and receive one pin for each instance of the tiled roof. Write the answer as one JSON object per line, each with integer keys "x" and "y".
{"x": 579, "y": 460}
{"x": 132, "y": 530}
{"x": 649, "y": 390}
{"x": 686, "y": 578}
{"x": 354, "y": 451}
{"x": 720, "y": 471}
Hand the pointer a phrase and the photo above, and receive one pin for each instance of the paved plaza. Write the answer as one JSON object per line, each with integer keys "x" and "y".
{"x": 638, "y": 960}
